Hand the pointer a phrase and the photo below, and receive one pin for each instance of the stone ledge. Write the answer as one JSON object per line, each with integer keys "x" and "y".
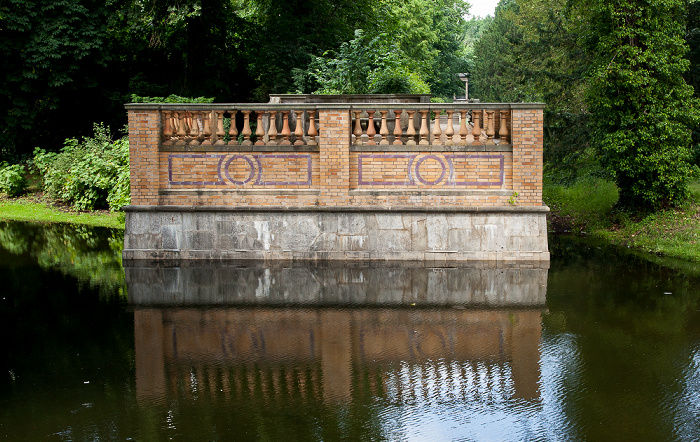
{"x": 438, "y": 192}
{"x": 434, "y": 258}
{"x": 233, "y": 192}
{"x": 343, "y": 209}
{"x": 337, "y": 265}
{"x": 432, "y": 148}
{"x": 237, "y": 148}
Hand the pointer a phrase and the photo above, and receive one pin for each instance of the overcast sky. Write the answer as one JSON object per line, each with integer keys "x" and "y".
{"x": 482, "y": 8}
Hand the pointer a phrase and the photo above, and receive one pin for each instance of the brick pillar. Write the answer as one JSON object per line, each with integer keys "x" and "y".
{"x": 334, "y": 156}
{"x": 527, "y": 135}
{"x": 144, "y": 133}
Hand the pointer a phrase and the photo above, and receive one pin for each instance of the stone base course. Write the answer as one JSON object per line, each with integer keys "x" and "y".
{"x": 393, "y": 234}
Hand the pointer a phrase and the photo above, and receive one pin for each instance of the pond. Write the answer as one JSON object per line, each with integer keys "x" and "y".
{"x": 599, "y": 345}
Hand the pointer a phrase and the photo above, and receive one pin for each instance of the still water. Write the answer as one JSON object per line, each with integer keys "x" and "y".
{"x": 600, "y": 345}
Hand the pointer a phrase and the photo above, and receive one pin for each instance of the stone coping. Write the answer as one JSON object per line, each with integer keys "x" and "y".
{"x": 353, "y": 148}
{"x": 431, "y": 148}
{"x": 395, "y": 209}
{"x": 326, "y": 106}
{"x": 237, "y": 148}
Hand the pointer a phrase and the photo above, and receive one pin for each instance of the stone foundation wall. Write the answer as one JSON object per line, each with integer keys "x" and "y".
{"x": 351, "y": 234}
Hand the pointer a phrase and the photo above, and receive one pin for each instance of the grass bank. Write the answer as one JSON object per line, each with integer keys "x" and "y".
{"x": 35, "y": 207}
{"x": 588, "y": 207}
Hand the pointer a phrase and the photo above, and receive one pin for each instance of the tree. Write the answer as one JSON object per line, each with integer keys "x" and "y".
{"x": 51, "y": 50}
{"x": 641, "y": 107}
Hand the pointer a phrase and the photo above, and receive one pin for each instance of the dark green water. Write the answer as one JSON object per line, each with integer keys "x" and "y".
{"x": 602, "y": 345}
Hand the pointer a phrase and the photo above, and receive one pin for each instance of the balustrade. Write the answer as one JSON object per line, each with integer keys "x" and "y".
{"x": 221, "y": 127}
{"x": 421, "y": 126}
{"x": 412, "y": 125}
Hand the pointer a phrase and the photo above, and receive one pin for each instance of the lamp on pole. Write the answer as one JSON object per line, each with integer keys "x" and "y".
{"x": 465, "y": 78}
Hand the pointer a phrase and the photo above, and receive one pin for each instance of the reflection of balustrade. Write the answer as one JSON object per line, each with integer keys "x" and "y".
{"x": 440, "y": 355}
{"x": 243, "y": 126}
{"x": 444, "y": 125}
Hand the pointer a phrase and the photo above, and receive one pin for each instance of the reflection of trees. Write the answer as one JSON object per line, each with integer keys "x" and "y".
{"x": 634, "y": 326}
{"x": 91, "y": 254}
{"x": 69, "y": 347}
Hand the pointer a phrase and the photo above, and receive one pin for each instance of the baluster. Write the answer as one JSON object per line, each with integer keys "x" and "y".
{"x": 299, "y": 128}
{"x": 398, "y": 132}
{"x": 490, "y": 131}
{"x": 312, "y": 132}
{"x": 424, "y": 128}
{"x": 207, "y": 128}
{"x": 437, "y": 130}
{"x": 181, "y": 132}
{"x": 246, "y": 132}
{"x": 196, "y": 128}
{"x": 384, "y": 129}
{"x": 167, "y": 128}
{"x": 450, "y": 132}
{"x": 259, "y": 129}
{"x": 174, "y": 123}
{"x": 463, "y": 130}
{"x": 371, "y": 131}
{"x": 220, "y": 128}
{"x": 503, "y": 131}
{"x": 272, "y": 130}
{"x": 476, "y": 131}
{"x": 286, "y": 132}
{"x": 232, "y": 128}
{"x": 188, "y": 126}
{"x": 358, "y": 127}
{"x": 411, "y": 131}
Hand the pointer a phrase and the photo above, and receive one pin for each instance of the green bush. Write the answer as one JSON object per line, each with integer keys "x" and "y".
{"x": 398, "y": 81}
{"x": 90, "y": 174}
{"x": 12, "y": 180}
{"x": 585, "y": 204}
{"x": 170, "y": 99}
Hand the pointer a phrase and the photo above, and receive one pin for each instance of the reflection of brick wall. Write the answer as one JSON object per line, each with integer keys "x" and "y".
{"x": 334, "y": 172}
{"x": 322, "y": 350}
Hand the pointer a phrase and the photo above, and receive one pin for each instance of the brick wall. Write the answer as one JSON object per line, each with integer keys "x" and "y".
{"x": 334, "y": 172}
{"x": 144, "y": 140}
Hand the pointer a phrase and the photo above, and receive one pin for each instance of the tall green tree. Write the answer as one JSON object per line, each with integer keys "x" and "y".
{"x": 52, "y": 53}
{"x": 531, "y": 52}
{"x": 641, "y": 107}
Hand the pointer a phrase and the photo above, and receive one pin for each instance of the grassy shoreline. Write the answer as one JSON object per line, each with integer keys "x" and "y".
{"x": 673, "y": 233}
{"x": 35, "y": 208}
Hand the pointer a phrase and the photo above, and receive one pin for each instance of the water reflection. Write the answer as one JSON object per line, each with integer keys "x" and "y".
{"x": 234, "y": 352}
{"x": 221, "y": 283}
{"x": 91, "y": 254}
{"x": 328, "y": 355}
{"x": 390, "y": 345}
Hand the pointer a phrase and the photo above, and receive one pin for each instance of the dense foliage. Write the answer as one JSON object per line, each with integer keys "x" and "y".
{"x": 617, "y": 76}
{"x": 641, "y": 108}
{"x": 12, "y": 179}
{"x": 90, "y": 174}
{"x": 68, "y": 63}
{"x": 612, "y": 76}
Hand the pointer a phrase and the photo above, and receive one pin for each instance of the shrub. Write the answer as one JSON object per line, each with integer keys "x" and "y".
{"x": 170, "y": 99}
{"x": 90, "y": 174}
{"x": 12, "y": 180}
